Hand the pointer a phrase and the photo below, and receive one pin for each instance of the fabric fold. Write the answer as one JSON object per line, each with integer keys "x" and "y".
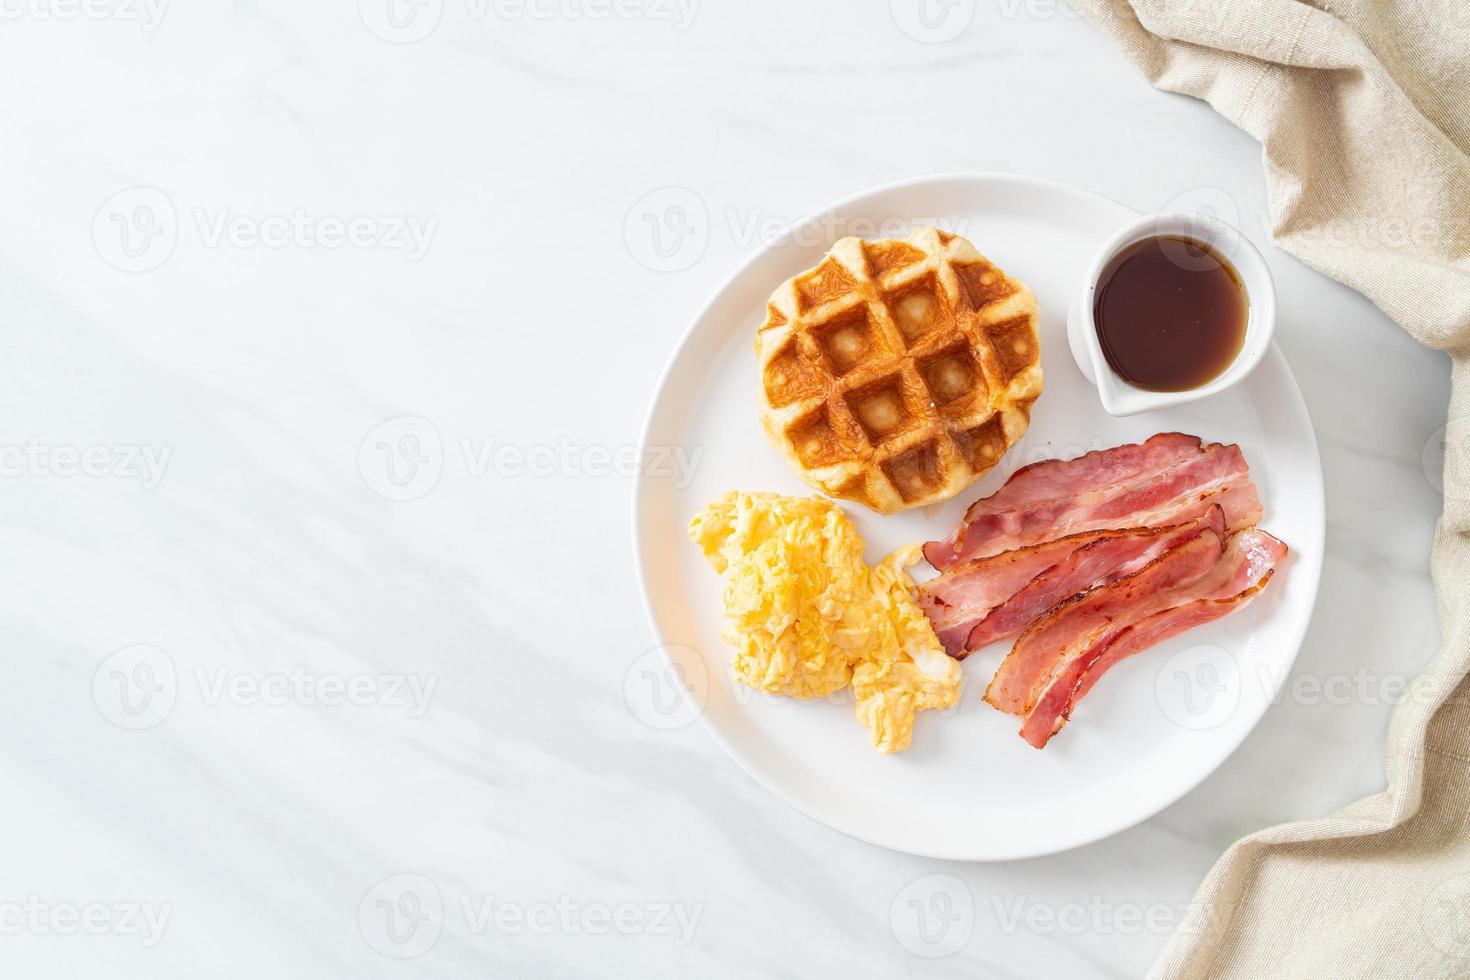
{"x": 1363, "y": 112}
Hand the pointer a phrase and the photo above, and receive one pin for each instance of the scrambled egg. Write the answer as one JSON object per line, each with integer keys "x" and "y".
{"x": 808, "y": 617}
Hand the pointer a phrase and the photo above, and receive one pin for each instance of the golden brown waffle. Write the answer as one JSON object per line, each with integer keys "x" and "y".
{"x": 898, "y": 371}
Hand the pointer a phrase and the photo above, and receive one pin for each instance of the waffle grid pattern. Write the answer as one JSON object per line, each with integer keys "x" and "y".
{"x": 897, "y": 372}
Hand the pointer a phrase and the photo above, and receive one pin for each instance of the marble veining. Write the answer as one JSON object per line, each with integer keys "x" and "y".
{"x": 330, "y": 329}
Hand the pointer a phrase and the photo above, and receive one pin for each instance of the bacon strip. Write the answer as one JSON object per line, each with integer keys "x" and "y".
{"x": 1105, "y": 560}
{"x": 1052, "y": 479}
{"x": 1250, "y": 561}
{"x": 1057, "y": 479}
{"x": 966, "y": 594}
{"x": 1162, "y": 481}
{"x": 1077, "y": 623}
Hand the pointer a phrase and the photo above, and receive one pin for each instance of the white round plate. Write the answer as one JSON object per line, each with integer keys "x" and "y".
{"x": 969, "y": 788}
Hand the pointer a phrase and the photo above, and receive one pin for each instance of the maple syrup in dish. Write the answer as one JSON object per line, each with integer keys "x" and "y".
{"x": 1170, "y": 313}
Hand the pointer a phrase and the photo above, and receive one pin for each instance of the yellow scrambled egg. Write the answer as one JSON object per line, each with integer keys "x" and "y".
{"x": 808, "y": 617}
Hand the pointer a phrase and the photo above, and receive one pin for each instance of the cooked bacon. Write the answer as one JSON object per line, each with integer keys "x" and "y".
{"x": 1078, "y": 622}
{"x": 1250, "y": 560}
{"x": 1058, "y": 479}
{"x": 1106, "y": 560}
{"x": 966, "y": 594}
{"x": 1162, "y": 481}
{"x": 1053, "y": 479}
{"x": 1239, "y": 501}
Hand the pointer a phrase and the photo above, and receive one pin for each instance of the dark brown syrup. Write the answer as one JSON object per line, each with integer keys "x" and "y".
{"x": 1170, "y": 313}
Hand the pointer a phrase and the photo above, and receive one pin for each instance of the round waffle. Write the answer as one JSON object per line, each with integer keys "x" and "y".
{"x": 897, "y": 371}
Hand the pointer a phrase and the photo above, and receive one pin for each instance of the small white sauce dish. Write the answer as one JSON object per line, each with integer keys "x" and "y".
{"x": 1119, "y": 398}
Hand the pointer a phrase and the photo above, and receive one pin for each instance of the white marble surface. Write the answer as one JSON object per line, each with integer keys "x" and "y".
{"x": 193, "y": 476}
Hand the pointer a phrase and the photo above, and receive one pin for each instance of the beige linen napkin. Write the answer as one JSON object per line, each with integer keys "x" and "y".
{"x": 1363, "y": 111}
